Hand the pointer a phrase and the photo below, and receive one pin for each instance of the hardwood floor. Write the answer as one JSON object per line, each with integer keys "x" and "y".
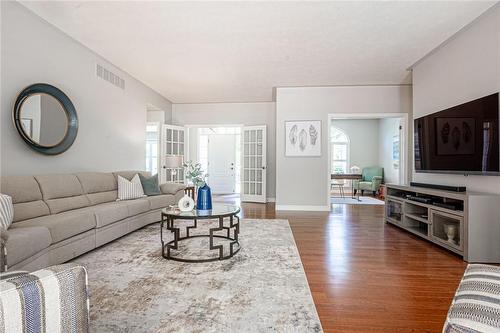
{"x": 367, "y": 276}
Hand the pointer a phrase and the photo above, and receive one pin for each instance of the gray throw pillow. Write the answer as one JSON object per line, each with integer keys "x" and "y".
{"x": 150, "y": 185}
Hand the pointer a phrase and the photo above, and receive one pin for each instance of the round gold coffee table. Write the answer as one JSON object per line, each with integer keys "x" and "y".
{"x": 227, "y": 220}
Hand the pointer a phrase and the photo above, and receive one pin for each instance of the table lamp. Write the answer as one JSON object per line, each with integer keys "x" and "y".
{"x": 173, "y": 162}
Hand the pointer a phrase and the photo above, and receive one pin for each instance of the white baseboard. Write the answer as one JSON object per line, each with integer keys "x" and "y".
{"x": 304, "y": 208}
{"x": 271, "y": 199}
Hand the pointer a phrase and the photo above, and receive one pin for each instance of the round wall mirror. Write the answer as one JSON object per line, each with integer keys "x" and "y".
{"x": 46, "y": 119}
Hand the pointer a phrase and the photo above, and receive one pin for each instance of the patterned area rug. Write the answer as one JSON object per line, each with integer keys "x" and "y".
{"x": 263, "y": 288}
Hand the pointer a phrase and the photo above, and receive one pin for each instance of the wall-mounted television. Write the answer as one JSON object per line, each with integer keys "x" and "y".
{"x": 463, "y": 139}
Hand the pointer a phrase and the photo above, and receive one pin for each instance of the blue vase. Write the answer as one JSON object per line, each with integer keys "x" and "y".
{"x": 204, "y": 199}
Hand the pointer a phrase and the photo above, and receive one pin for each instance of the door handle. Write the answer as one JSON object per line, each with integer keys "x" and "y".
{"x": 263, "y": 168}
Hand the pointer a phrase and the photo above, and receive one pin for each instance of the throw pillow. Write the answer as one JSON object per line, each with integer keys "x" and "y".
{"x": 130, "y": 189}
{"x": 150, "y": 185}
{"x": 6, "y": 212}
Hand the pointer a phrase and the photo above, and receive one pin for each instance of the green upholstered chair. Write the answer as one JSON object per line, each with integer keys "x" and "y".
{"x": 371, "y": 179}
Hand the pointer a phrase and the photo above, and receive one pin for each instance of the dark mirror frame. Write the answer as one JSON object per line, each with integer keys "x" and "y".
{"x": 69, "y": 108}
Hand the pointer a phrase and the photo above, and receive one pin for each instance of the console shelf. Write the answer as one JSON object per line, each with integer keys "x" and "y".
{"x": 471, "y": 229}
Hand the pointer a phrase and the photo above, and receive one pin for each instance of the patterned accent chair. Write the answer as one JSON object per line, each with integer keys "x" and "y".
{"x": 53, "y": 299}
{"x": 476, "y": 306}
{"x": 371, "y": 179}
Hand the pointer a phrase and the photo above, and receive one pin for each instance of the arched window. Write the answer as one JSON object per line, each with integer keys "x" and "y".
{"x": 340, "y": 151}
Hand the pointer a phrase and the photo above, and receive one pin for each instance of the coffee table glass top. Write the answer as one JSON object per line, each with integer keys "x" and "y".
{"x": 218, "y": 210}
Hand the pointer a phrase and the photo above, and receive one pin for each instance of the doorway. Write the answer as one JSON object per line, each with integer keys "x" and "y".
{"x": 235, "y": 158}
{"x": 219, "y": 153}
{"x": 365, "y": 145}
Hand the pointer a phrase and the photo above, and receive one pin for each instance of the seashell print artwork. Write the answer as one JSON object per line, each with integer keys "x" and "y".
{"x": 293, "y": 135}
{"x": 313, "y": 134}
{"x": 303, "y": 138}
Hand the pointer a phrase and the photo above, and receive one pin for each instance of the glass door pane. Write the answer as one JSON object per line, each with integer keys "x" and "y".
{"x": 254, "y": 164}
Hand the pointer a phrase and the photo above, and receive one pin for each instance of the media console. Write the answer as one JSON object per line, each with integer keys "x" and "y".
{"x": 467, "y": 223}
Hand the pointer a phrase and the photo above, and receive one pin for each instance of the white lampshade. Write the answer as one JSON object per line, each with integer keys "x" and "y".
{"x": 173, "y": 161}
{"x": 355, "y": 169}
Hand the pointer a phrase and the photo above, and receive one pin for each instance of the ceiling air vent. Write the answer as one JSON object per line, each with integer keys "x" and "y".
{"x": 109, "y": 76}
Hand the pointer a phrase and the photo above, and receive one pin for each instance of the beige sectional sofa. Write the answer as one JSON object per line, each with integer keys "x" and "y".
{"x": 59, "y": 217}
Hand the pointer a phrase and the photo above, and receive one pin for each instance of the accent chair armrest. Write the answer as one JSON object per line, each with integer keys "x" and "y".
{"x": 376, "y": 181}
{"x": 171, "y": 188}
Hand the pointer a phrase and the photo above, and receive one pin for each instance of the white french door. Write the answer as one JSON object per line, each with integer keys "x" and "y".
{"x": 173, "y": 142}
{"x": 222, "y": 163}
{"x": 254, "y": 163}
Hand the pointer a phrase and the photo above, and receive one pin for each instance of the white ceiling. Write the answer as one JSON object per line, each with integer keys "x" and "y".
{"x": 239, "y": 51}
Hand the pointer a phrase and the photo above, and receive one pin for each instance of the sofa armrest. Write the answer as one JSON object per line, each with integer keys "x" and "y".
{"x": 171, "y": 188}
{"x": 53, "y": 290}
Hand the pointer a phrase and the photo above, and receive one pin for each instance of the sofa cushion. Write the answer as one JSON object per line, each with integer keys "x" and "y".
{"x": 29, "y": 210}
{"x": 62, "y": 192}
{"x": 6, "y": 212}
{"x": 161, "y": 201}
{"x": 100, "y": 187}
{"x": 25, "y": 242}
{"x": 102, "y": 197}
{"x": 171, "y": 188}
{"x": 67, "y": 204}
{"x": 59, "y": 186}
{"x": 94, "y": 182}
{"x": 21, "y": 188}
{"x": 110, "y": 212}
{"x": 64, "y": 225}
{"x": 130, "y": 189}
{"x": 476, "y": 305}
{"x": 138, "y": 206}
{"x": 150, "y": 185}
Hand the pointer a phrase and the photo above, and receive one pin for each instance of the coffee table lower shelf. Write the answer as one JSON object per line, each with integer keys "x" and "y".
{"x": 232, "y": 227}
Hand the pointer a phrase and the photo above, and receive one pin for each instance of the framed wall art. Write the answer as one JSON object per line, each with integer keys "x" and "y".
{"x": 303, "y": 138}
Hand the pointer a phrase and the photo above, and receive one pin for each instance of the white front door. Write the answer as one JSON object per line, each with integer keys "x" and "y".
{"x": 254, "y": 164}
{"x": 222, "y": 163}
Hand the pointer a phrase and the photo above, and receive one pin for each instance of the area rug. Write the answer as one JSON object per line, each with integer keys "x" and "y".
{"x": 263, "y": 288}
{"x": 350, "y": 201}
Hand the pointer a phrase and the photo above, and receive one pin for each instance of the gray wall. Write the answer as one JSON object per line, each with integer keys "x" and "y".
{"x": 363, "y": 140}
{"x": 112, "y": 121}
{"x": 234, "y": 114}
{"x": 465, "y": 68}
{"x": 301, "y": 182}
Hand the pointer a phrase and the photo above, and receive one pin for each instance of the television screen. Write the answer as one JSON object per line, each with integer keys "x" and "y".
{"x": 462, "y": 139}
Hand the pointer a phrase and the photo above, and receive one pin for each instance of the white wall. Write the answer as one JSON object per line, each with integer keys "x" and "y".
{"x": 301, "y": 183}
{"x": 156, "y": 117}
{"x": 467, "y": 67}
{"x": 388, "y": 128}
{"x": 233, "y": 114}
{"x": 363, "y": 140}
{"x": 112, "y": 121}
